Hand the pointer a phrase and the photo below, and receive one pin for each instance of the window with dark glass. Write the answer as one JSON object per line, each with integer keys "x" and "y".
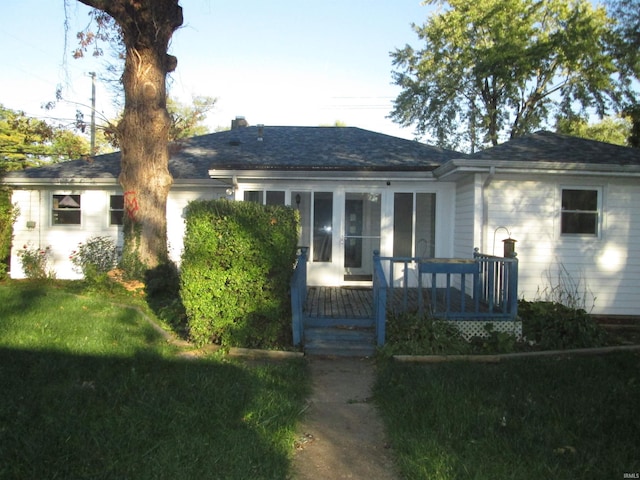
{"x": 579, "y": 215}
{"x": 275, "y": 197}
{"x": 322, "y": 226}
{"x": 116, "y": 210}
{"x": 66, "y": 210}
{"x": 254, "y": 196}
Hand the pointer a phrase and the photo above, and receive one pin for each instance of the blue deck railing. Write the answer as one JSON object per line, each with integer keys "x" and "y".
{"x": 484, "y": 288}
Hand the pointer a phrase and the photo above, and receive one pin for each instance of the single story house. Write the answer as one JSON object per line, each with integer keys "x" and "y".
{"x": 571, "y": 204}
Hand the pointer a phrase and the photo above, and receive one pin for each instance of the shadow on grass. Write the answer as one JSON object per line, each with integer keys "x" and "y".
{"x": 68, "y": 416}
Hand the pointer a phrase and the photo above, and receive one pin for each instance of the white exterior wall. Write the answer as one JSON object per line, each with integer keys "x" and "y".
{"x": 467, "y": 217}
{"x": 36, "y": 206}
{"x": 605, "y": 270}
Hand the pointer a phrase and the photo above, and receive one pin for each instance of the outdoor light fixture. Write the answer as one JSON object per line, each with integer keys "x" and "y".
{"x": 298, "y": 201}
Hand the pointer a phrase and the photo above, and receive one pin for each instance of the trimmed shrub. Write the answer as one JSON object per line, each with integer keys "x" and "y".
{"x": 235, "y": 273}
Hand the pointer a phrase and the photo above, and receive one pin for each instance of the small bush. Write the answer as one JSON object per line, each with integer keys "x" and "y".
{"x": 495, "y": 341}
{"x": 35, "y": 262}
{"x": 95, "y": 258}
{"x": 551, "y": 326}
{"x": 411, "y": 334}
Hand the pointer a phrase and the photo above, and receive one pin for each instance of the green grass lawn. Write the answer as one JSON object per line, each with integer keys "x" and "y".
{"x": 91, "y": 390}
{"x": 528, "y": 419}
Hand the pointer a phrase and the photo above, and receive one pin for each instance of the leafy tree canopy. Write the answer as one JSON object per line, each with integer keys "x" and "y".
{"x": 614, "y": 130}
{"x": 187, "y": 119}
{"x": 626, "y": 14}
{"x": 27, "y": 141}
{"x": 496, "y": 69}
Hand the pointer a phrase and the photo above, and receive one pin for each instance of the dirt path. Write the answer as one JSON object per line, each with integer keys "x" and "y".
{"x": 341, "y": 435}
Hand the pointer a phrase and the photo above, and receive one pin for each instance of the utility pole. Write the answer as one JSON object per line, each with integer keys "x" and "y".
{"x": 93, "y": 112}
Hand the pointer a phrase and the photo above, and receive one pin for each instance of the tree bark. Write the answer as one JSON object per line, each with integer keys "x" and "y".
{"x": 147, "y": 27}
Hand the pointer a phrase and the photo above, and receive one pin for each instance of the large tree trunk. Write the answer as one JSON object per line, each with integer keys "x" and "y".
{"x": 147, "y": 27}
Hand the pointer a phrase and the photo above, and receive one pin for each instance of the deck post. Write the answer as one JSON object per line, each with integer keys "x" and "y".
{"x": 379, "y": 299}
{"x": 298, "y": 296}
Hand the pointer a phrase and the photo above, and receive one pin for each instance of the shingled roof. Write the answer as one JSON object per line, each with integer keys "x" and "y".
{"x": 314, "y": 148}
{"x": 546, "y": 146}
{"x": 280, "y": 148}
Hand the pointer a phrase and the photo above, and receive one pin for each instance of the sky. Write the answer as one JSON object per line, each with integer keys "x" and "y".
{"x": 274, "y": 62}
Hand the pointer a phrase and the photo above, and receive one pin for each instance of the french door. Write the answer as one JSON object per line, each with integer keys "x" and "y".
{"x": 360, "y": 235}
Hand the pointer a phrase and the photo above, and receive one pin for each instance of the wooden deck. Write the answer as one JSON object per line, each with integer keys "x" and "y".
{"x": 337, "y": 302}
{"x": 357, "y": 302}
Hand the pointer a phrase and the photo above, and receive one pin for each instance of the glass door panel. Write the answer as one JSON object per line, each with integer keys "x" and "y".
{"x": 361, "y": 234}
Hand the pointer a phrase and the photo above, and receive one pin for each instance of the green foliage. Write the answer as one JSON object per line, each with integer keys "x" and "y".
{"x": 35, "y": 262}
{"x": 95, "y": 257}
{"x": 491, "y": 69}
{"x": 162, "y": 286}
{"x": 26, "y": 141}
{"x": 235, "y": 273}
{"x": 130, "y": 261}
{"x": 627, "y": 16}
{"x": 188, "y": 120}
{"x": 610, "y": 129}
{"x": 551, "y": 326}
{"x": 494, "y": 341}
{"x": 410, "y": 334}
{"x": 8, "y": 214}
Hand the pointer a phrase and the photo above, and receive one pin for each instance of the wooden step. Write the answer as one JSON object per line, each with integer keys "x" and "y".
{"x": 347, "y": 341}
{"x": 326, "y": 322}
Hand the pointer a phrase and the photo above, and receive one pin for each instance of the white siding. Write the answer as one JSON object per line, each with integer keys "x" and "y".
{"x": 36, "y": 205}
{"x": 467, "y": 205}
{"x": 604, "y": 270}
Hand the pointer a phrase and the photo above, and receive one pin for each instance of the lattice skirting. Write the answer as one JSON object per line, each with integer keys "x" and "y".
{"x": 476, "y": 328}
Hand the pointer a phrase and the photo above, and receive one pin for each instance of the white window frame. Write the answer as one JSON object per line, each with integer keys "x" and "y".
{"x": 598, "y": 212}
{"x": 111, "y": 210}
{"x": 54, "y": 209}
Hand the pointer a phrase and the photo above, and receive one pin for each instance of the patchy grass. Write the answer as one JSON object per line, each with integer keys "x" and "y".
{"x": 529, "y": 419}
{"x": 91, "y": 390}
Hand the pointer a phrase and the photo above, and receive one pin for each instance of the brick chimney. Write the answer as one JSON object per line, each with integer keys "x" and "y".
{"x": 239, "y": 122}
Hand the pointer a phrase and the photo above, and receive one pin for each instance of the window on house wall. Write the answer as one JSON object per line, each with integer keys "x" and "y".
{"x": 116, "y": 210}
{"x": 275, "y": 197}
{"x": 414, "y": 218}
{"x": 254, "y": 196}
{"x": 580, "y": 212}
{"x": 322, "y": 226}
{"x": 268, "y": 197}
{"x": 66, "y": 210}
{"x": 301, "y": 201}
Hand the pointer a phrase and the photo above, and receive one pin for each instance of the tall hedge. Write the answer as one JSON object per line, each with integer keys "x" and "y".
{"x": 236, "y": 268}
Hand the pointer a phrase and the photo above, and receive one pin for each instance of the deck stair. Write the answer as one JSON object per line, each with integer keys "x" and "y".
{"x": 338, "y": 322}
{"x": 339, "y": 337}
